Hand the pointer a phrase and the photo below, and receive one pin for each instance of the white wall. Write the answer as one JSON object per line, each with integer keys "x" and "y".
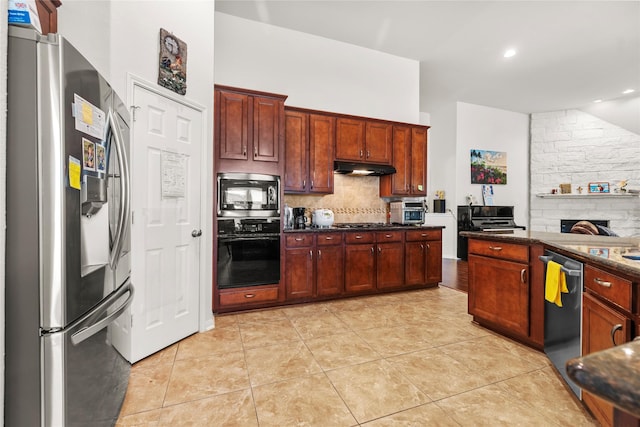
{"x": 122, "y": 36}
{"x": 316, "y": 72}
{"x": 486, "y": 128}
{"x": 576, "y": 148}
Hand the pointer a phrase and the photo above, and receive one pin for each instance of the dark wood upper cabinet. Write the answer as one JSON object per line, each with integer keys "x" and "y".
{"x": 410, "y": 161}
{"x": 350, "y": 139}
{"x": 378, "y": 143}
{"x": 309, "y": 152}
{"x": 249, "y": 130}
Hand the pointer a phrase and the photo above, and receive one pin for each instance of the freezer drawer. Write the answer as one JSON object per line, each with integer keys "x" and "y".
{"x": 85, "y": 377}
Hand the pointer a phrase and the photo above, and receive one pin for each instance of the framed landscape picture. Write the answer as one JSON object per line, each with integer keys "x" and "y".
{"x": 488, "y": 167}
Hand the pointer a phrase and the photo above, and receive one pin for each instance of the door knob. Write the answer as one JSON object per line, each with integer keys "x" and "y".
{"x": 196, "y": 233}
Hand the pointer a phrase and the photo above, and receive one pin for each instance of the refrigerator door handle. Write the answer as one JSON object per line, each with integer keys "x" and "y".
{"x": 125, "y": 194}
{"x": 86, "y": 324}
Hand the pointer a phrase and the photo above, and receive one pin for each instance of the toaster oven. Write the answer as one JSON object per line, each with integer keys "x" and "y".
{"x": 407, "y": 212}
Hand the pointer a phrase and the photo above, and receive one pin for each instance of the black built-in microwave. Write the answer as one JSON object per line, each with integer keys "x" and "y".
{"x": 248, "y": 195}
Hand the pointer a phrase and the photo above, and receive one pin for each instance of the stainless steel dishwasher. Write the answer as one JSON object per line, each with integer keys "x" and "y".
{"x": 563, "y": 325}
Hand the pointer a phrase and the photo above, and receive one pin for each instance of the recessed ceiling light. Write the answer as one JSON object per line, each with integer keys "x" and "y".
{"x": 597, "y": 100}
{"x": 628, "y": 91}
{"x": 509, "y": 53}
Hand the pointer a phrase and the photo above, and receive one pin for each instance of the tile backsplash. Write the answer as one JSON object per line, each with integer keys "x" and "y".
{"x": 355, "y": 199}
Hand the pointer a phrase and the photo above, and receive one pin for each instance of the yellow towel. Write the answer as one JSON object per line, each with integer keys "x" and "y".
{"x": 555, "y": 284}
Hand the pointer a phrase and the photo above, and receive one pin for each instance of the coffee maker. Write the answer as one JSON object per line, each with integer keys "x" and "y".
{"x": 299, "y": 220}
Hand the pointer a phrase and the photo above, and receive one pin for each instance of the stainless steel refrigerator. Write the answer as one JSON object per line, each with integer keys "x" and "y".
{"x": 68, "y": 246}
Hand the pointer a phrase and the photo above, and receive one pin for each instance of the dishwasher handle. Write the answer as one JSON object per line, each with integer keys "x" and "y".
{"x": 568, "y": 271}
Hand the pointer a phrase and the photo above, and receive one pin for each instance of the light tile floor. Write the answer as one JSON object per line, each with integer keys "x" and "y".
{"x": 403, "y": 359}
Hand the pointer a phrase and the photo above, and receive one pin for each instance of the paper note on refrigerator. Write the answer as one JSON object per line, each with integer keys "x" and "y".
{"x": 74, "y": 173}
{"x": 89, "y": 118}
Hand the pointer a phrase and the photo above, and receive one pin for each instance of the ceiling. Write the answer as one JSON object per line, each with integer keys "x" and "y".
{"x": 569, "y": 53}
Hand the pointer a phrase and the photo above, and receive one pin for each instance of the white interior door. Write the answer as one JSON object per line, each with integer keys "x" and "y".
{"x": 166, "y": 242}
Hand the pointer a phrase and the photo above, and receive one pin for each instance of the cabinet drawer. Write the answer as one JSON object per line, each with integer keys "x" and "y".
{"x": 416, "y": 236}
{"x": 499, "y": 250}
{"x": 359, "y": 237}
{"x": 299, "y": 240}
{"x": 326, "y": 239}
{"x": 248, "y": 296}
{"x": 611, "y": 287}
{"x": 389, "y": 236}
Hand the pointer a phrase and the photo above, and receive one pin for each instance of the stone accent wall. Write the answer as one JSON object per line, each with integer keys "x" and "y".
{"x": 577, "y": 148}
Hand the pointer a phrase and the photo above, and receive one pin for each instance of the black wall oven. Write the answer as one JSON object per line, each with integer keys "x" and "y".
{"x": 242, "y": 195}
{"x": 248, "y": 252}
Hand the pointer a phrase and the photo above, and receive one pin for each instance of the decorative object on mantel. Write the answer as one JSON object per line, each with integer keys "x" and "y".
{"x": 565, "y": 188}
{"x": 579, "y": 190}
{"x": 622, "y": 186}
{"x": 598, "y": 187}
{"x": 172, "y": 73}
{"x": 471, "y": 200}
{"x": 488, "y": 167}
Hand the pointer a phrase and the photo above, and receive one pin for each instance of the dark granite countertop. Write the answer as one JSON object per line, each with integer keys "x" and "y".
{"x": 612, "y": 374}
{"x": 604, "y": 251}
{"x": 381, "y": 227}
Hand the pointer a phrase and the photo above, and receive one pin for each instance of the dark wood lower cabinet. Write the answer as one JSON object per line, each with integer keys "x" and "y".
{"x": 299, "y": 273}
{"x": 360, "y": 274}
{"x": 390, "y": 265}
{"x": 329, "y": 270}
{"x": 600, "y": 326}
{"x": 314, "y": 266}
{"x": 499, "y": 292}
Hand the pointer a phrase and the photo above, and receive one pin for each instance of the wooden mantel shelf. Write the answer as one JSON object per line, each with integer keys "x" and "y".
{"x": 589, "y": 196}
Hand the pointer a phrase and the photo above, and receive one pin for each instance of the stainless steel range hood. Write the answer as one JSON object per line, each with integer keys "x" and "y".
{"x": 362, "y": 169}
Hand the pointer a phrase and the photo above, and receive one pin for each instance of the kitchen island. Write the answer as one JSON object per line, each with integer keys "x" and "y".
{"x": 507, "y": 288}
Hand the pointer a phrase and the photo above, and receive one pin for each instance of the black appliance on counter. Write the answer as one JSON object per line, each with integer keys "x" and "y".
{"x": 495, "y": 219}
{"x": 248, "y": 252}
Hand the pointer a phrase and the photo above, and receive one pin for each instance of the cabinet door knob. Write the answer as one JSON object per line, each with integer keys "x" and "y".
{"x": 319, "y": 254}
{"x": 495, "y": 248}
{"x": 615, "y": 329}
{"x": 249, "y": 295}
{"x": 255, "y": 151}
{"x": 312, "y": 184}
{"x": 311, "y": 254}
{"x": 388, "y": 236}
{"x": 602, "y": 283}
{"x": 361, "y": 153}
{"x": 428, "y": 247}
{"x": 358, "y": 236}
{"x": 328, "y": 238}
{"x": 304, "y": 183}
{"x": 299, "y": 239}
{"x": 523, "y": 277}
